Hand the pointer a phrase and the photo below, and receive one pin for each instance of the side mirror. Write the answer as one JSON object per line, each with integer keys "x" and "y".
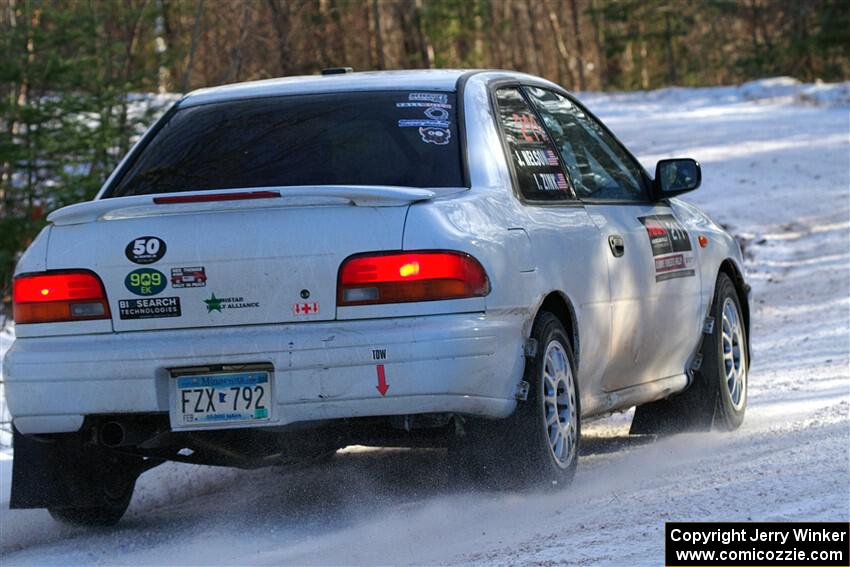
{"x": 674, "y": 177}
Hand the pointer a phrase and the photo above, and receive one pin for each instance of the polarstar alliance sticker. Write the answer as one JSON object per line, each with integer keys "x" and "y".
{"x": 213, "y": 304}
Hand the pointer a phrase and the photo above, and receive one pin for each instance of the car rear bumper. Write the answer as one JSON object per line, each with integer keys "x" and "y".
{"x": 468, "y": 364}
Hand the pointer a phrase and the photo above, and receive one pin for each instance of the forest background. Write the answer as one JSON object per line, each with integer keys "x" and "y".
{"x": 81, "y": 79}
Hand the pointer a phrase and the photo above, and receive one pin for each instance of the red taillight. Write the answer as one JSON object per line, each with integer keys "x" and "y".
{"x": 210, "y": 197}
{"x": 410, "y": 276}
{"x": 51, "y": 297}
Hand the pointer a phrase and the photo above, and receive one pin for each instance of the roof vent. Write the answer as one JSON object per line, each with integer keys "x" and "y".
{"x": 337, "y": 70}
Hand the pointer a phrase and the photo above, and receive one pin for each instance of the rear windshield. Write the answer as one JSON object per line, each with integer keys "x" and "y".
{"x": 369, "y": 138}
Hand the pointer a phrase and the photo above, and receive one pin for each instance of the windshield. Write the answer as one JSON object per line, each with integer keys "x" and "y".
{"x": 366, "y": 138}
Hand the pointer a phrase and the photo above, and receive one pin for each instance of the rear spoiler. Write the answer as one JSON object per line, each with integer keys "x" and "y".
{"x": 226, "y": 199}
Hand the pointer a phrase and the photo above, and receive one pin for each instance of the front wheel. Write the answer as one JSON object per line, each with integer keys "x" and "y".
{"x": 718, "y": 396}
{"x": 727, "y": 363}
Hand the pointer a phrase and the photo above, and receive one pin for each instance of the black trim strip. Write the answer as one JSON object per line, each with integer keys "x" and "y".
{"x": 460, "y": 116}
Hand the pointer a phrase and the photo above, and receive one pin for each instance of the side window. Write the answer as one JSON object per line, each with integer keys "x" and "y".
{"x": 539, "y": 175}
{"x": 596, "y": 163}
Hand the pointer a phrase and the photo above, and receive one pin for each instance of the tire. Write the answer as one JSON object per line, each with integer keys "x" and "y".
{"x": 717, "y": 398}
{"x": 117, "y": 499}
{"x": 539, "y": 443}
{"x": 726, "y": 360}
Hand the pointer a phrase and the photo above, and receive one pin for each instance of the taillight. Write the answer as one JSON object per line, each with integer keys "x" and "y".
{"x": 51, "y": 297}
{"x": 399, "y": 277}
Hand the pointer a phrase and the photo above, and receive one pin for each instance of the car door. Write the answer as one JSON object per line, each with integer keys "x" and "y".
{"x": 567, "y": 245}
{"x": 651, "y": 261}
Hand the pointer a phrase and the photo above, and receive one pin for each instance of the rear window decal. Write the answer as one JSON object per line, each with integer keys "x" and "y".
{"x": 153, "y": 308}
{"x": 436, "y": 113}
{"x": 671, "y": 247}
{"x": 435, "y": 126}
{"x": 439, "y": 136}
{"x": 423, "y": 104}
{"x": 434, "y": 123}
{"x": 429, "y": 97}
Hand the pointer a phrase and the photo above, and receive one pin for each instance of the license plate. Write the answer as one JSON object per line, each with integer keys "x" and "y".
{"x": 222, "y": 399}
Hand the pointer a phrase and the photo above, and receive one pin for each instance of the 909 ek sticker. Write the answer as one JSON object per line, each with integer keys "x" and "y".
{"x": 145, "y": 281}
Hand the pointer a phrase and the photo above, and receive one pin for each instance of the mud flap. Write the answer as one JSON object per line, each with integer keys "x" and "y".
{"x": 63, "y": 471}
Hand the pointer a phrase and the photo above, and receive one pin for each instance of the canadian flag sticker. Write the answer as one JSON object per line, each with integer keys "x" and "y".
{"x": 309, "y": 308}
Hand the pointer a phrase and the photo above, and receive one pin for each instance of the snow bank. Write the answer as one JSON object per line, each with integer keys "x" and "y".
{"x": 785, "y": 90}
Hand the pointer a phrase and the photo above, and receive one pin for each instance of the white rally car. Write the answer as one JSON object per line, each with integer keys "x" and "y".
{"x": 282, "y": 268}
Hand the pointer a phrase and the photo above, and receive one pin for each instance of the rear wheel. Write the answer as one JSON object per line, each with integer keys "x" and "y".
{"x": 111, "y": 488}
{"x": 718, "y": 396}
{"x": 115, "y": 495}
{"x": 539, "y": 442}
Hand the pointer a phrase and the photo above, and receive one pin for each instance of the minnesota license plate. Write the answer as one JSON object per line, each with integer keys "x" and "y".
{"x": 222, "y": 399}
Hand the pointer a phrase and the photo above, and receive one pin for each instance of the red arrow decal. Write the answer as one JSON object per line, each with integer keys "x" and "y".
{"x": 382, "y": 386}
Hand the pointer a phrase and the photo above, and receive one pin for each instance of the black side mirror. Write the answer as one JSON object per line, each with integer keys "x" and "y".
{"x": 674, "y": 177}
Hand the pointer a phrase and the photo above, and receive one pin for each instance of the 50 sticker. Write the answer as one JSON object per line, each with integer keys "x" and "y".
{"x": 145, "y": 250}
{"x": 145, "y": 281}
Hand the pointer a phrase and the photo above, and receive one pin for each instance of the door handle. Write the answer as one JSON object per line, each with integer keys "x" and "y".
{"x": 617, "y": 244}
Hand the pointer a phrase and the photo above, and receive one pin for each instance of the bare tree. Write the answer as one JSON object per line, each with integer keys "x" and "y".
{"x": 196, "y": 32}
{"x": 379, "y": 35}
{"x": 239, "y": 50}
{"x": 582, "y": 84}
{"x": 564, "y": 53}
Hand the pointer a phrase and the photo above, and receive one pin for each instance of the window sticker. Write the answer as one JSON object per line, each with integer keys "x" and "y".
{"x": 535, "y": 158}
{"x": 537, "y": 163}
{"x": 527, "y": 130}
{"x": 417, "y": 123}
{"x": 550, "y": 181}
{"x": 439, "y": 136}
{"x": 423, "y": 104}
{"x": 434, "y": 122}
{"x": 429, "y": 97}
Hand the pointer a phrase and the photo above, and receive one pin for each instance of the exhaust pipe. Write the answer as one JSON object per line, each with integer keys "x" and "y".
{"x": 112, "y": 434}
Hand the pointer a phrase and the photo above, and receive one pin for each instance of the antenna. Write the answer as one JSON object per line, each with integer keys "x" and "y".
{"x": 337, "y": 70}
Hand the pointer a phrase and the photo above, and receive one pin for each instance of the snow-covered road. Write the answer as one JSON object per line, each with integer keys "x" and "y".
{"x": 777, "y": 172}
